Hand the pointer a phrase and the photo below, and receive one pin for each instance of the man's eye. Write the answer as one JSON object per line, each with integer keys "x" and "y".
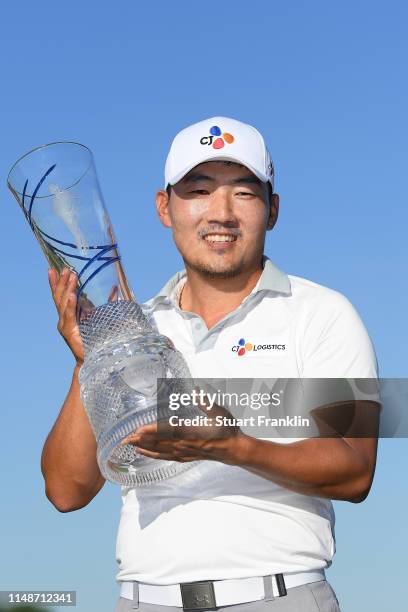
{"x": 200, "y": 191}
{"x": 245, "y": 193}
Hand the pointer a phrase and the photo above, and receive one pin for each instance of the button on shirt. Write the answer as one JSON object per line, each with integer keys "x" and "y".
{"x": 221, "y": 521}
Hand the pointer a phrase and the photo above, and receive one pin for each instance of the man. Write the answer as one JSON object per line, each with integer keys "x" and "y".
{"x": 256, "y": 530}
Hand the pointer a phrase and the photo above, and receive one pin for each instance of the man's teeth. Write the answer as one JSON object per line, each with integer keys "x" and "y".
{"x": 220, "y": 238}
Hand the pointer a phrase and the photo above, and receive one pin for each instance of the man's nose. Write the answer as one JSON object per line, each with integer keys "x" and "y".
{"x": 221, "y": 207}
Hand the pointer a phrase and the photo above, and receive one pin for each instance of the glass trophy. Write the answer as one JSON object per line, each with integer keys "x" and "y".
{"x": 57, "y": 188}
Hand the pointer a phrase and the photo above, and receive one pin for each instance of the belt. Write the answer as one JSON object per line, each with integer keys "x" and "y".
{"x": 207, "y": 595}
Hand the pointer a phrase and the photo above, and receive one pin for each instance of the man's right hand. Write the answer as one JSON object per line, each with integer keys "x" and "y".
{"x": 63, "y": 288}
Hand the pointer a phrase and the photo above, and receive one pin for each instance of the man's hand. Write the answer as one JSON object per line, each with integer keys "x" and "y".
{"x": 63, "y": 289}
{"x": 150, "y": 443}
{"x": 185, "y": 443}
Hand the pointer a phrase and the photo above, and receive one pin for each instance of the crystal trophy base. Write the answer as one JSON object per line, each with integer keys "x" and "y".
{"x": 124, "y": 358}
{"x": 122, "y": 464}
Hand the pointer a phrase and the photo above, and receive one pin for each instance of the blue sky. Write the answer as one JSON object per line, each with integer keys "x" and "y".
{"x": 326, "y": 84}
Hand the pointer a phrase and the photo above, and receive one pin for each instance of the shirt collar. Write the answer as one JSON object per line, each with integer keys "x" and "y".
{"x": 271, "y": 279}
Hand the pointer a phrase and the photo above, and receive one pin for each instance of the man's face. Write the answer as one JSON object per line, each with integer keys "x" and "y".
{"x": 219, "y": 213}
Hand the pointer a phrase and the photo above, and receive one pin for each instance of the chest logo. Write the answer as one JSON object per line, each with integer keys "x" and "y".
{"x": 244, "y": 347}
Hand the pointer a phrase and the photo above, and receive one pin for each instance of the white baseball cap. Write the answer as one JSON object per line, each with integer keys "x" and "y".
{"x": 222, "y": 139}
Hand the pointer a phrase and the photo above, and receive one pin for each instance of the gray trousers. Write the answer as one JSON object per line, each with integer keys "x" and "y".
{"x": 312, "y": 597}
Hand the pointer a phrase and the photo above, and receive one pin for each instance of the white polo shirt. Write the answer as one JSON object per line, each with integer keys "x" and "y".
{"x": 225, "y": 522}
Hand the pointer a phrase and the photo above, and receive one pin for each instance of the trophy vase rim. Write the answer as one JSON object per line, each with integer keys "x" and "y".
{"x": 44, "y": 146}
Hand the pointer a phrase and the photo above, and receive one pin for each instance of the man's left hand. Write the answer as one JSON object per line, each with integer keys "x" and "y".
{"x": 226, "y": 444}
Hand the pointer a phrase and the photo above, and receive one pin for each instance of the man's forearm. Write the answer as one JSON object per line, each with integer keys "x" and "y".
{"x": 330, "y": 468}
{"x": 68, "y": 463}
{"x": 335, "y": 468}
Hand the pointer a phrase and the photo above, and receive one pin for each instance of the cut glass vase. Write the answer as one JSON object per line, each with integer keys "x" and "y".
{"x": 57, "y": 188}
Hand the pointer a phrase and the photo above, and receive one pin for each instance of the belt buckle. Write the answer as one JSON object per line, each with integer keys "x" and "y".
{"x": 198, "y": 595}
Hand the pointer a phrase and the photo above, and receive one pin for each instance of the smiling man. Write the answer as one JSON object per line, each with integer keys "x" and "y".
{"x": 219, "y": 213}
{"x": 255, "y": 530}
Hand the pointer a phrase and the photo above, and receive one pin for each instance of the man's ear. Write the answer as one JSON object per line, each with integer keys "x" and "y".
{"x": 162, "y": 207}
{"x": 273, "y": 212}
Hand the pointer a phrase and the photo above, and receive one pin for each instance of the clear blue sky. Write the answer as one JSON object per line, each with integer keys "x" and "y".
{"x": 326, "y": 84}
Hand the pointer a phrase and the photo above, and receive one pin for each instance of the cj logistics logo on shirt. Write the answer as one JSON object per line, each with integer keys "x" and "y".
{"x": 220, "y": 138}
{"x": 243, "y": 347}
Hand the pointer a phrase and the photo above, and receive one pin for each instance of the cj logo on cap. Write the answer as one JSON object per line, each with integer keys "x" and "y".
{"x": 220, "y": 138}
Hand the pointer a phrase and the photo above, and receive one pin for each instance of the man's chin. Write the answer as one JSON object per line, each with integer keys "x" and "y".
{"x": 211, "y": 271}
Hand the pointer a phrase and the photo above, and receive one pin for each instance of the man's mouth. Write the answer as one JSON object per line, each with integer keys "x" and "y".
{"x": 220, "y": 238}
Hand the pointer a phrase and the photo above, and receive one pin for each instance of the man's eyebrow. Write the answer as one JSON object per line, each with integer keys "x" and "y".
{"x": 247, "y": 180}
{"x": 195, "y": 177}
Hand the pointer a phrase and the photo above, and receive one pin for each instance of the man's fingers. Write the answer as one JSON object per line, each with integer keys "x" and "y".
{"x": 153, "y": 454}
{"x": 68, "y": 297}
{"x": 70, "y": 310}
{"x": 175, "y": 449}
{"x": 146, "y": 429}
{"x": 167, "y": 456}
{"x": 52, "y": 278}
{"x": 60, "y": 287}
{"x": 113, "y": 296}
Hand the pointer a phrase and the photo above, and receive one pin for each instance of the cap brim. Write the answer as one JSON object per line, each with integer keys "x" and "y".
{"x": 232, "y": 158}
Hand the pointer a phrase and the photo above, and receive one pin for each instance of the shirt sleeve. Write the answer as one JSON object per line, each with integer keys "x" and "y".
{"x": 335, "y": 342}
